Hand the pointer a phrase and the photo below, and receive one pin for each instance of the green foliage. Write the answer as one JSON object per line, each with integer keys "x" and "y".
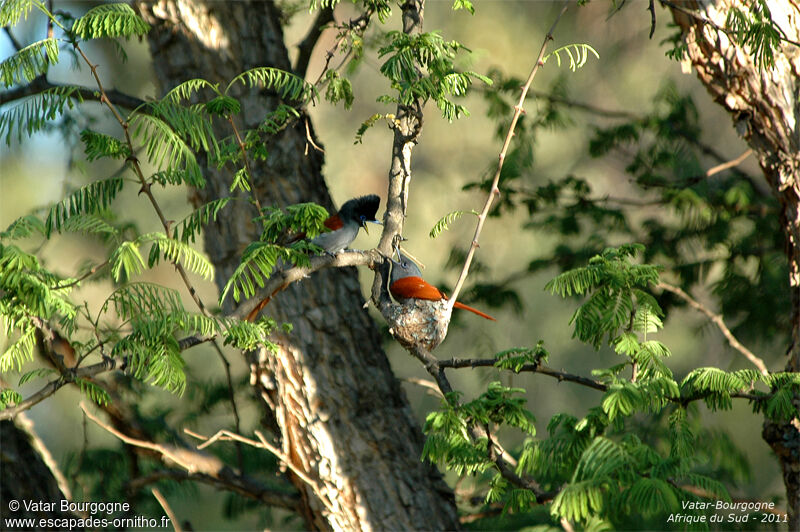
{"x": 176, "y": 251}
{"x": 287, "y": 85}
{"x": 27, "y": 291}
{"x": 90, "y": 199}
{"x": 339, "y": 89}
{"x": 617, "y": 294}
{"x": 33, "y": 113}
{"x": 99, "y": 145}
{"x": 13, "y": 10}
{"x": 37, "y": 373}
{"x": 578, "y": 55}
{"x": 444, "y": 223}
{"x": 29, "y": 62}
{"x": 89, "y": 224}
{"x": 409, "y": 55}
{"x": 189, "y": 227}
{"x": 248, "y": 336}
{"x": 368, "y": 123}
{"x": 23, "y": 227}
{"x": 186, "y": 90}
{"x": 464, "y": 4}
{"x": 258, "y": 261}
{"x": 93, "y": 391}
{"x": 165, "y": 148}
{"x": 755, "y": 29}
{"x": 9, "y": 397}
{"x": 110, "y": 20}
{"x": 306, "y": 218}
{"x": 514, "y": 359}
{"x": 126, "y": 261}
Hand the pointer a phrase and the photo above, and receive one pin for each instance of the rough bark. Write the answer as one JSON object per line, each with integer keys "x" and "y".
{"x": 29, "y": 473}
{"x": 765, "y": 106}
{"x": 342, "y": 416}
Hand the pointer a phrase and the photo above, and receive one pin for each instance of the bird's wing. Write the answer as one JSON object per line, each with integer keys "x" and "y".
{"x": 334, "y": 222}
{"x": 415, "y": 287}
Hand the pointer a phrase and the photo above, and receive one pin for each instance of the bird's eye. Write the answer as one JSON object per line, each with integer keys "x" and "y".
{"x": 363, "y": 218}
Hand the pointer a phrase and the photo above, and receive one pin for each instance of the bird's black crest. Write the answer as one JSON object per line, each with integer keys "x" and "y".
{"x": 366, "y": 206}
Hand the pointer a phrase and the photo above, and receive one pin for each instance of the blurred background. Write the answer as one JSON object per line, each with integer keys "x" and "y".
{"x": 506, "y": 35}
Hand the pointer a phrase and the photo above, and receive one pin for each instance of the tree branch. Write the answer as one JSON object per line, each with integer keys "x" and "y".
{"x": 241, "y": 485}
{"x": 201, "y": 467}
{"x": 41, "y": 84}
{"x": 306, "y": 46}
{"x": 226, "y": 435}
{"x": 494, "y": 190}
{"x": 532, "y": 368}
{"x": 717, "y": 320}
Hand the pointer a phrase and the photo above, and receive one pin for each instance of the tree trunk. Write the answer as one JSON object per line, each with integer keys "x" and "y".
{"x": 29, "y": 473}
{"x": 765, "y": 109}
{"x": 343, "y": 418}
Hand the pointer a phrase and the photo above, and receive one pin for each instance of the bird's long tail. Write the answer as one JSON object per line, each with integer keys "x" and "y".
{"x": 473, "y": 310}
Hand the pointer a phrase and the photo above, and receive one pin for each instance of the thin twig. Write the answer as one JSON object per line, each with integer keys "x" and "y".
{"x": 718, "y": 321}
{"x": 226, "y": 435}
{"x": 242, "y": 148}
{"x": 531, "y": 368}
{"x": 494, "y": 190}
{"x": 240, "y": 485}
{"x": 169, "y": 452}
{"x": 165, "y": 505}
{"x": 730, "y": 164}
{"x": 232, "y": 398}
{"x": 716, "y": 26}
{"x": 53, "y": 386}
{"x": 425, "y": 383}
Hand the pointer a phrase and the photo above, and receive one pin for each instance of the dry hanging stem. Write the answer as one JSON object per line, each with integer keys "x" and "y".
{"x": 494, "y": 191}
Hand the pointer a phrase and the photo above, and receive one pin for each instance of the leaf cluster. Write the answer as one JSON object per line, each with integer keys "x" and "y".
{"x": 421, "y": 67}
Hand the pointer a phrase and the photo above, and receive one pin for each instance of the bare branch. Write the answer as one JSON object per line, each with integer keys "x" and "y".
{"x": 53, "y": 386}
{"x": 717, "y": 320}
{"x": 494, "y": 191}
{"x": 306, "y": 46}
{"x": 241, "y": 485}
{"x": 281, "y": 279}
{"x": 165, "y": 505}
{"x": 226, "y": 435}
{"x": 41, "y": 84}
{"x": 533, "y": 368}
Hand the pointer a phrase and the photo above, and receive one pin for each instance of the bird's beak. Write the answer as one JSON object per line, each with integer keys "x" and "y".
{"x": 364, "y": 224}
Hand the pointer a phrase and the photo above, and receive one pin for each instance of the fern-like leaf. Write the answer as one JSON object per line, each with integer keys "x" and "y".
{"x": 89, "y": 199}
{"x": 94, "y": 392}
{"x": 177, "y": 252}
{"x": 578, "y": 55}
{"x": 99, "y": 145}
{"x": 444, "y": 223}
{"x": 189, "y": 227}
{"x": 110, "y": 20}
{"x": 258, "y": 261}
{"x": 187, "y": 89}
{"x": 287, "y": 85}
{"x": 13, "y": 10}
{"x": 33, "y": 113}
{"x": 165, "y": 148}
{"x": 126, "y": 261}
{"x": 29, "y": 62}
{"x": 23, "y": 227}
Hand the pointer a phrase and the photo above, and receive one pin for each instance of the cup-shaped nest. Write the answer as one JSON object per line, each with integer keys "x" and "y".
{"x": 419, "y": 322}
